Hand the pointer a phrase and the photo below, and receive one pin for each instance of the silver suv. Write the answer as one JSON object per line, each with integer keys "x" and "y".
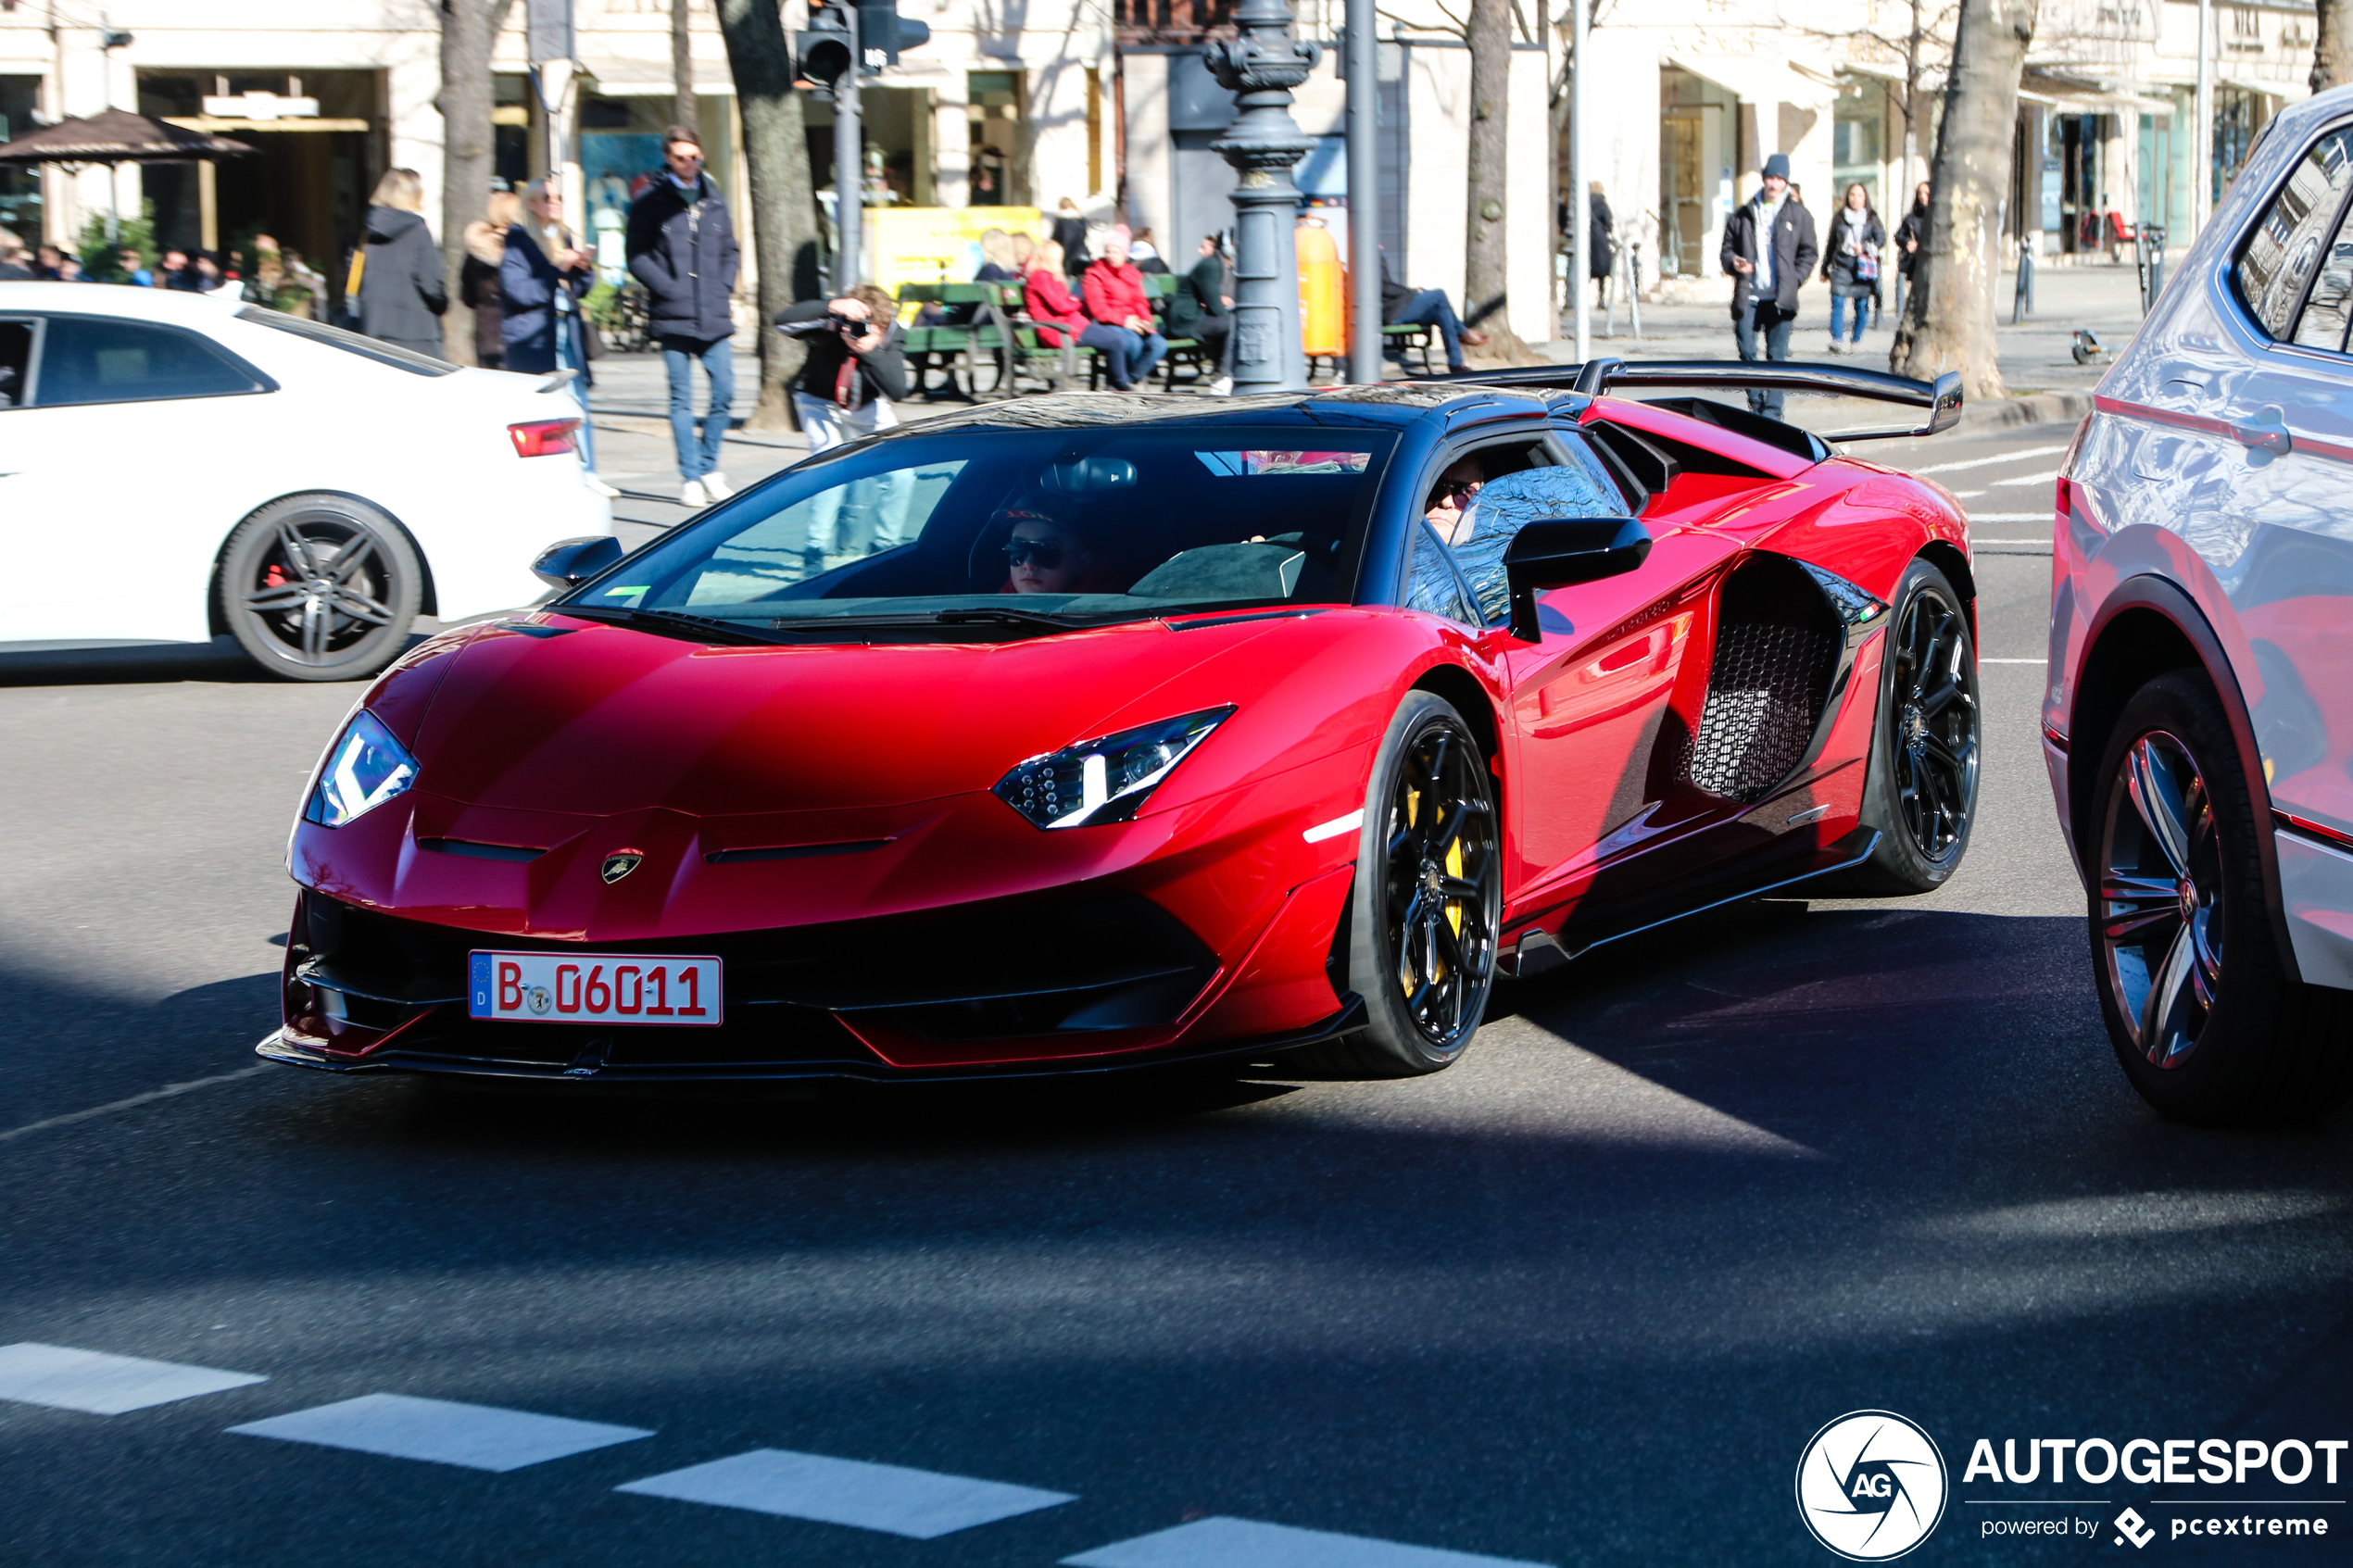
{"x": 2198, "y": 722}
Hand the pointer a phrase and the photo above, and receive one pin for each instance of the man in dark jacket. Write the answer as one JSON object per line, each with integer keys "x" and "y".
{"x": 1403, "y": 306}
{"x": 855, "y": 366}
{"x": 682, "y": 246}
{"x": 1769, "y": 249}
{"x": 1202, "y": 309}
{"x": 401, "y": 294}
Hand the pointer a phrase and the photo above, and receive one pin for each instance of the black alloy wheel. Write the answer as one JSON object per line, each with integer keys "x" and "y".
{"x": 1920, "y": 793}
{"x": 1935, "y": 723}
{"x": 320, "y": 588}
{"x": 2204, "y": 1014}
{"x": 1421, "y": 926}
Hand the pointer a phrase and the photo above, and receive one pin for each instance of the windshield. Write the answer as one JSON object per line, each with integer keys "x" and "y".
{"x": 1032, "y": 530}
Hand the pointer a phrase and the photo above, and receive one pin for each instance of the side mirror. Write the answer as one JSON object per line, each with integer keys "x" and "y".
{"x": 569, "y": 562}
{"x": 1559, "y": 552}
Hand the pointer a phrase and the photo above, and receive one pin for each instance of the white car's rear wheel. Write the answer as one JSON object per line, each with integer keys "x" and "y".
{"x": 320, "y": 588}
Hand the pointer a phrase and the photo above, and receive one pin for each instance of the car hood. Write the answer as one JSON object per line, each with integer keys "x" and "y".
{"x": 595, "y": 719}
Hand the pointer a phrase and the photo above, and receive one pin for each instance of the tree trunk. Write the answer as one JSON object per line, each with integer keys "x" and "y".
{"x": 2332, "y": 45}
{"x": 783, "y": 202}
{"x": 1948, "y": 318}
{"x": 1490, "y": 35}
{"x": 469, "y": 28}
{"x": 682, "y": 110}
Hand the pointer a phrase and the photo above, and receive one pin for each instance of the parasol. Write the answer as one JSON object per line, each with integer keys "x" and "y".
{"x": 116, "y": 136}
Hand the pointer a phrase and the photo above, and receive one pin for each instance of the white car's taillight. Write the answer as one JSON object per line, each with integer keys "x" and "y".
{"x": 543, "y": 438}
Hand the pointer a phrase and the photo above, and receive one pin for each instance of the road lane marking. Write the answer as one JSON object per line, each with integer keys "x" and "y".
{"x": 1988, "y": 462}
{"x": 112, "y": 1106}
{"x": 1334, "y": 828}
{"x": 1244, "y": 1543}
{"x": 921, "y": 1504}
{"x": 477, "y": 1436}
{"x": 98, "y": 1384}
{"x": 2049, "y": 478}
{"x": 2010, "y": 517}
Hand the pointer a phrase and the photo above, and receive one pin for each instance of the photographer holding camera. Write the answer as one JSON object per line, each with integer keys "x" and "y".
{"x": 855, "y": 366}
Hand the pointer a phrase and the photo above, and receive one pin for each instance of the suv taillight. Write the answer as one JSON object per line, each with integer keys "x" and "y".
{"x": 543, "y": 438}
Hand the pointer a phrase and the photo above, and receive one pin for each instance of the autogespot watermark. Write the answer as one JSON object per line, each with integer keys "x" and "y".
{"x": 1872, "y": 1484}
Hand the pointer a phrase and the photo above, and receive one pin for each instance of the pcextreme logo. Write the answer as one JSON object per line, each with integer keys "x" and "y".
{"x": 1871, "y": 1486}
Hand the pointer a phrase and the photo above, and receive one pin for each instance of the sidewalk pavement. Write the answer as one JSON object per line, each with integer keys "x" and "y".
{"x": 635, "y": 455}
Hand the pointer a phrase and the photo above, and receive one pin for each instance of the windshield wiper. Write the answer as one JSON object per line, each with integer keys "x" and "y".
{"x": 701, "y": 626}
{"x": 1009, "y": 616}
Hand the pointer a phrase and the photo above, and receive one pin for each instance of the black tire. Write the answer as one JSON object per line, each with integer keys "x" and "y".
{"x": 320, "y": 587}
{"x": 1427, "y": 895}
{"x": 1920, "y": 791}
{"x": 2197, "y": 1002}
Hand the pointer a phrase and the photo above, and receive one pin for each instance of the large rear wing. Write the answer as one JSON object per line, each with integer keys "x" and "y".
{"x": 1940, "y": 397}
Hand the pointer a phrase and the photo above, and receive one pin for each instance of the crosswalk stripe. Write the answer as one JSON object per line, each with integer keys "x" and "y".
{"x": 1245, "y": 1543}
{"x": 1989, "y": 462}
{"x": 98, "y": 1384}
{"x": 476, "y": 1437}
{"x": 921, "y": 1504}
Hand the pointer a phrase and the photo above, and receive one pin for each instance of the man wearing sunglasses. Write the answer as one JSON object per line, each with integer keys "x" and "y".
{"x": 1451, "y": 499}
{"x": 1044, "y": 555}
{"x": 682, "y": 246}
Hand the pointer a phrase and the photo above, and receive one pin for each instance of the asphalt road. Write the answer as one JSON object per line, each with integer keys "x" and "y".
{"x": 1582, "y": 1298}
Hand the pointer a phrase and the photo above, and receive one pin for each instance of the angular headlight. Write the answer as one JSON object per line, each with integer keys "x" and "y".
{"x": 365, "y": 768}
{"x": 1106, "y": 780}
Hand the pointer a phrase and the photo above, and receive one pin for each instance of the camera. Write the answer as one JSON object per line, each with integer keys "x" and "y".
{"x": 845, "y": 326}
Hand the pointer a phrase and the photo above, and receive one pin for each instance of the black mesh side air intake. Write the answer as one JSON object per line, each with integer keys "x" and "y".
{"x": 1777, "y": 646}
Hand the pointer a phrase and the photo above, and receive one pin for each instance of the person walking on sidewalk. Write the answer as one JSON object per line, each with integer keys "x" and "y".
{"x": 401, "y": 295}
{"x": 682, "y": 246}
{"x": 1850, "y": 263}
{"x": 1769, "y": 250}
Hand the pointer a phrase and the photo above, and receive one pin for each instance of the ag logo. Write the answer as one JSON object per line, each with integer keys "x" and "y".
{"x": 1871, "y": 1486}
{"x": 619, "y": 863}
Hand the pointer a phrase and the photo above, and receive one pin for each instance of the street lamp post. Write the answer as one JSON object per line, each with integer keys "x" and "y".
{"x": 1260, "y": 68}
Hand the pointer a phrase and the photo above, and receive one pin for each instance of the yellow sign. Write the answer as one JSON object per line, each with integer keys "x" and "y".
{"x": 937, "y": 245}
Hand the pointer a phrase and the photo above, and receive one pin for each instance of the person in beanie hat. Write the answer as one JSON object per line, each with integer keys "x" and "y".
{"x": 1769, "y": 250}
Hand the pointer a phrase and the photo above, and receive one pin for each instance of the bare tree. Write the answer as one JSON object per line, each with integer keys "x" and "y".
{"x": 2332, "y": 45}
{"x": 1948, "y": 318}
{"x": 682, "y": 110}
{"x": 784, "y": 201}
{"x": 1488, "y": 30}
{"x": 469, "y": 29}
{"x": 1922, "y": 45}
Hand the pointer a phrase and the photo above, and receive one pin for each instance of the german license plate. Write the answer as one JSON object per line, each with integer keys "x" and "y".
{"x": 593, "y": 988}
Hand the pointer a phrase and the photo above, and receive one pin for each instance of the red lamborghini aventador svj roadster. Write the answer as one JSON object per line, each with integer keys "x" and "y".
{"x": 1082, "y": 733}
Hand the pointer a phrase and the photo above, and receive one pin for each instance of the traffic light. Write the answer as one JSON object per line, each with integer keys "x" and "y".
{"x": 825, "y": 48}
{"x": 883, "y": 32}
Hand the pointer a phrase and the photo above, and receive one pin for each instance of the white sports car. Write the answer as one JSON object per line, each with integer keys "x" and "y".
{"x": 175, "y": 467}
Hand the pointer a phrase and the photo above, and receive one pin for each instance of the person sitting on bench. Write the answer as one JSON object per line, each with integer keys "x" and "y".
{"x": 1402, "y": 307}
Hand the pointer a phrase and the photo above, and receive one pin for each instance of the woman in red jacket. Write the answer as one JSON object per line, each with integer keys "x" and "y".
{"x": 1060, "y": 319}
{"x": 1115, "y": 298}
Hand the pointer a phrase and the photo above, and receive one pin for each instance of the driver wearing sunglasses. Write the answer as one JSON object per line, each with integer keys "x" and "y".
{"x": 1451, "y": 498}
{"x": 1044, "y": 555}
